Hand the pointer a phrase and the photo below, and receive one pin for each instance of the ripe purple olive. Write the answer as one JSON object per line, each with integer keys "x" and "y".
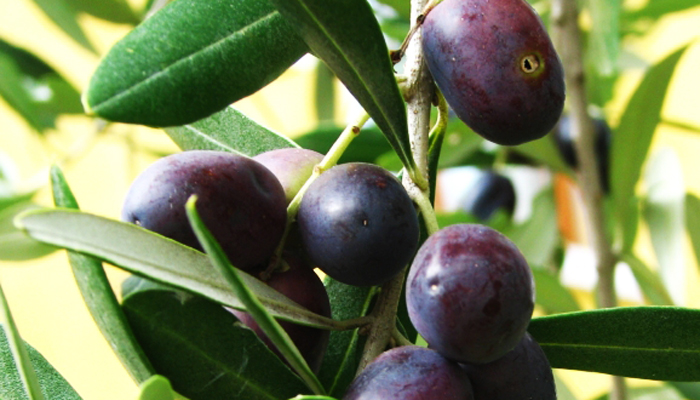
{"x": 410, "y": 373}
{"x": 496, "y": 66}
{"x": 523, "y": 373}
{"x": 470, "y": 293}
{"x": 358, "y": 224}
{"x": 291, "y": 166}
{"x": 301, "y": 284}
{"x": 239, "y": 200}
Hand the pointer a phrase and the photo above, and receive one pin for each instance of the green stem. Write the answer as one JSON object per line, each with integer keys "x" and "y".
{"x": 384, "y": 314}
{"x": 426, "y": 209}
{"x": 396, "y": 56}
{"x": 348, "y": 324}
{"x": 400, "y": 339}
{"x": 329, "y": 160}
{"x": 418, "y": 92}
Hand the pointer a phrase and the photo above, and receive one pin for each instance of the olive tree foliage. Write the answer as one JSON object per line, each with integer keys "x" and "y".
{"x": 183, "y": 67}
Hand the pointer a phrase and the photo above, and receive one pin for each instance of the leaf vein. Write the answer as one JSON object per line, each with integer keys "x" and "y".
{"x": 623, "y": 348}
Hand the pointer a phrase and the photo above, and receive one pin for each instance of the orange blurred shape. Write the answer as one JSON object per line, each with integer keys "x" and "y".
{"x": 570, "y": 218}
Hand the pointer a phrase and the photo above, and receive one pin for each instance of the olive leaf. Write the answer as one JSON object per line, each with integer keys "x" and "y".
{"x": 344, "y": 347}
{"x": 347, "y": 37}
{"x": 53, "y": 385}
{"x": 192, "y": 59}
{"x": 22, "y": 362}
{"x": 639, "y": 342}
{"x": 203, "y": 351}
{"x": 148, "y": 254}
{"x": 272, "y": 329}
{"x": 632, "y": 139}
{"x": 99, "y": 298}
{"x": 228, "y": 130}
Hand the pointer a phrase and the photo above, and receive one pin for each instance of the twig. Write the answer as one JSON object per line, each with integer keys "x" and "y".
{"x": 418, "y": 93}
{"x": 400, "y": 339}
{"x": 568, "y": 43}
{"x": 384, "y": 323}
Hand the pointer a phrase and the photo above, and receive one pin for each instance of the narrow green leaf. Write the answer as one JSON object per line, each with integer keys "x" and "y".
{"x": 117, "y": 11}
{"x": 344, "y": 347}
{"x": 692, "y": 216}
{"x": 19, "y": 352}
{"x": 148, "y": 254}
{"x": 66, "y": 18}
{"x": 347, "y": 37}
{"x": 53, "y": 385}
{"x": 551, "y": 294}
{"x": 228, "y": 130}
{"x": 272, "y": 329}
{"x": 311, "y": 397}
{"x": 203, "y": 350}
{"x": 663, "y": 212}
{"x": 649, "y": 281}
{"x": 435, "y": 146}
{"x": 98, "y": 296}
{"x": 192, "y": 59}
{"x": 640, "y": 342}
{"x": 156, "y": 387}
{"x": 632, "y": 138}
{"x": 15, "y": 245}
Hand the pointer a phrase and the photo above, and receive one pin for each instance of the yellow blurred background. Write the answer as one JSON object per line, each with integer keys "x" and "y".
{"x": 42, "y": 294}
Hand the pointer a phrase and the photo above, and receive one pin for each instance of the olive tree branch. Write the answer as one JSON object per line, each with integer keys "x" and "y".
{"x": 400, "y": 339}
{"x": 418, "y": 93}
{"x": 568, "y": 43}
{"x": 382, "y": 328}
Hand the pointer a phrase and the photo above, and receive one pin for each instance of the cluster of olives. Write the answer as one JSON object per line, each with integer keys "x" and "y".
{"x": 356, "y": 222}
{"x": 469, "y": 291}
{"x": 470, "y": 294}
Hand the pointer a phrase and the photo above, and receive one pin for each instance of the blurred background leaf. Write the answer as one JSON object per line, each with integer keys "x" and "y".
{"x": 663, "y": 212}
{"x": 34, "y": 89}
{"x": 66, "y": 17}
